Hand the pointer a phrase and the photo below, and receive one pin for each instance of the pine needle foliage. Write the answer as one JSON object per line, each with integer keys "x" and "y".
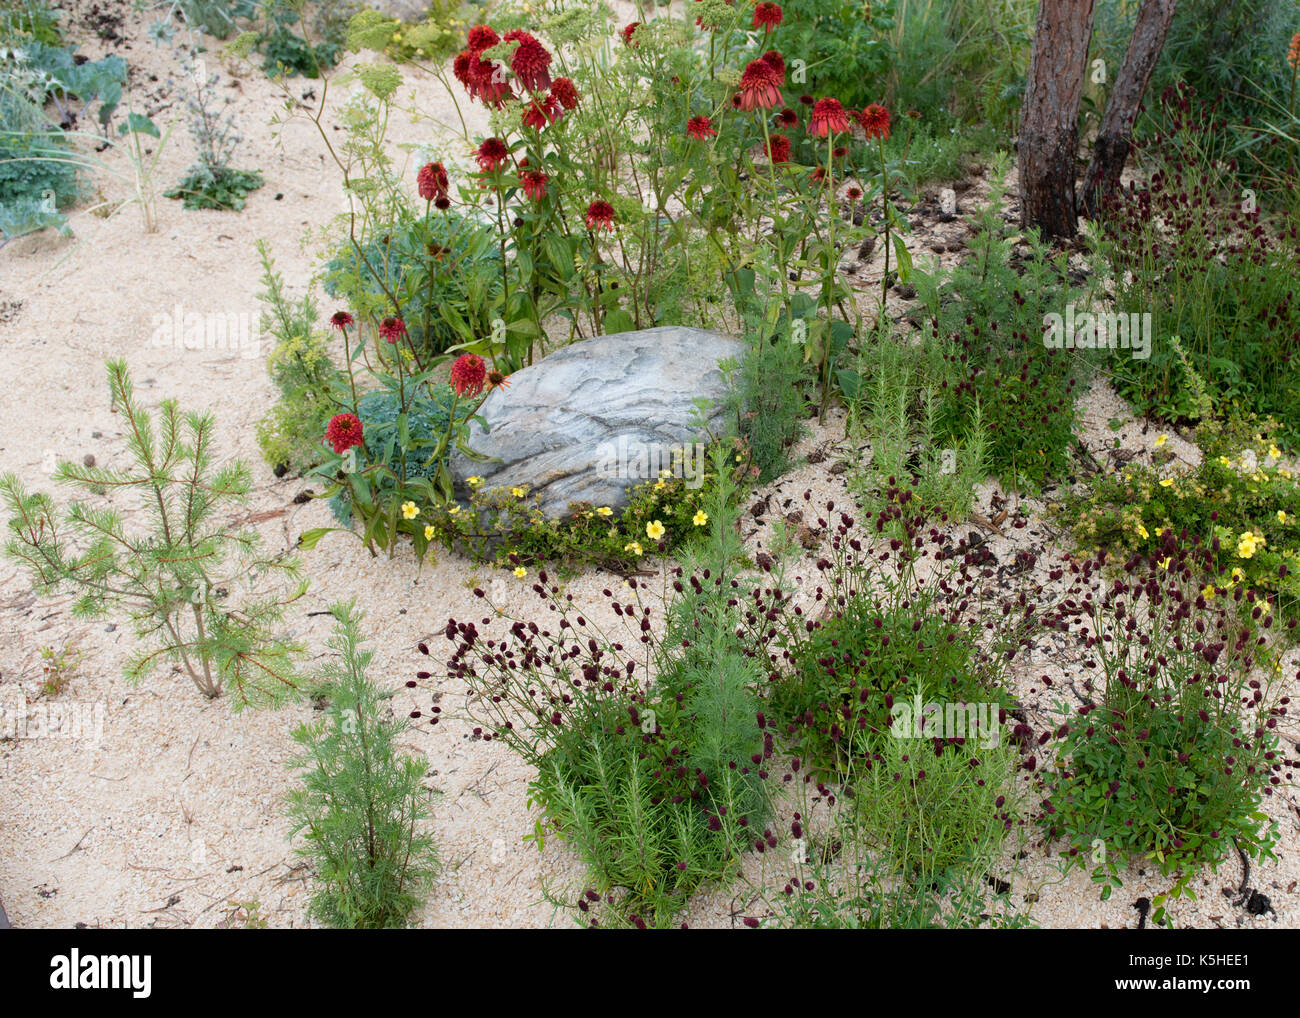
{"x": 178, "y": 578}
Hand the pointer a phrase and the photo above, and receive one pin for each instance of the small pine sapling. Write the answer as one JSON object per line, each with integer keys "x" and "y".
{"x": 176, "y": 579}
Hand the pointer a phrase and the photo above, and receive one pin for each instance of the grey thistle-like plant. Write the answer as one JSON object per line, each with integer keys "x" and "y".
{"x": 178, "y": 579}
{"x": 362, "y": 805}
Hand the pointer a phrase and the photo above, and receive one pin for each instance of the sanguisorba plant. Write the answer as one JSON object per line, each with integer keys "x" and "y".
{"x": 1174, "y": 749}
{"x": 900, "y": 610}
{"x": 649, "y": 749}
{"x": 362, "y": 806}
{"x": 176, "y": 580}
{"x": 1216, "y": 270}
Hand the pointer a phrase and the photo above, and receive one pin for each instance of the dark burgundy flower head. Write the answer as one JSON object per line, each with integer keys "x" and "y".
{"x": 629, "y": 34}
{"x": 492, "y": 154}
{"x": 565, "y": 92}
{"x": 482, "y": 37}
{"x": 531, "y": 61}
{"x": 774, "y": 59}
{"x": 341, "y": 320}
{"x": 600, "y": 215}
{"x": 778, "y": 148}
{"x": 787, "y": 118}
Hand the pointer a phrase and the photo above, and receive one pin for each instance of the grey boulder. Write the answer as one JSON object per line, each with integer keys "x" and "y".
{"x": 409, "y": 11}
{"x": 595, "y": 418}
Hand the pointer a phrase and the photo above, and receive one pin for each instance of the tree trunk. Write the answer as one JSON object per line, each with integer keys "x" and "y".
{"x": 1049, "y": 131}
{"x": 1115, "y": 139}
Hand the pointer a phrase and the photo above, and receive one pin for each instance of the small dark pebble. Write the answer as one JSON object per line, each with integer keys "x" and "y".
{"x": 280, "y": 469}
{"x": 88, "y": 459}
{"x": 111, "y": 627}
{"x": 96, "y": 434}
{"x": 279, "y": 195}
{"x": 302, "y": 498}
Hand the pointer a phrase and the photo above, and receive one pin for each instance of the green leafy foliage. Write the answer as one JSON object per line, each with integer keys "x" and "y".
{"x": 1173, "y": 750}
{"x": 651, "y": 779}
{"x": 1239, "y": 500}
{"x": 362, "y": 807}
{"x": 986, "y": 358}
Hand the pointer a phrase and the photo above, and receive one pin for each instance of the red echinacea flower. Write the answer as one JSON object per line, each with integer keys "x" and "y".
{"x": 629, "y": 32}
{"x": 341, "y": 320}
{"x": 700, "y": 128}
{"x": 768, "y": 15}
{"x": 777, "y": 62}
{"x": 392, "y": 329}
{"x": 541, "y": 112}
{"x": 483, "y": 80}
{"x": 827, "y": 118}
{"x": 496, "y": 380}
{"x": 565, "y": 92}
{"x": 343, "y": 432}
{"x": 482, "y": 37}
{"x": 530, "y": 61}
{"x": 787, "y": 118}
{"x": 875, "y": 121}
{"x": 492, "y": 154}
{"x": 468, "y": 374}
{"x": 534, "y": 183}
{"x": 760, "y": 86}
{"x": 432, "y": 181}
{"x": 778, "y": 148}
{"x": 600, "y": 215}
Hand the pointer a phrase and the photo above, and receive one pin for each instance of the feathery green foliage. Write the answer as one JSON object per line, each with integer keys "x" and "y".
{"x": 175, "y": 580}
{"x": 362, "y": 804}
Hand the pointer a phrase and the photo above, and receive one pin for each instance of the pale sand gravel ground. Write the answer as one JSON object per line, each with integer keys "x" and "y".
{"x": 177, "y": 811}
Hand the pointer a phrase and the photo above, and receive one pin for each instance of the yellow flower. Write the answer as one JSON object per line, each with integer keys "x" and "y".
{"x": 452, "y": 510}
{"x": 634, "y": 547}
{"x": 654, "y": 530}
{"x": 520, "y": 572}
{"x": 1281, "y": 516}
{"x": 665, "y": 473}
{"x": 1161, "y": 441}
{"x": 428, "y": 532}
{"x": 517, "y": 492}
{"x": 1142, "y": 532}
{"x": 1275, "y": 452}
{"x": 604, "y": 511}
{"x": 1159, "y": 531}
{"x": 473, "y": 482}
{"x": 700, "y": 518}
{"x": 410, "y": 510}
{"x": 1165, "y": 564}
{"x": 1237, "y": 574}
{"x": 1167, "y": 482}
{"x": 1247, "y": 544}
{"x": 659, "y": 485}
{"x": 1208, "y": 592}
{"x": 1225, "y": 461}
